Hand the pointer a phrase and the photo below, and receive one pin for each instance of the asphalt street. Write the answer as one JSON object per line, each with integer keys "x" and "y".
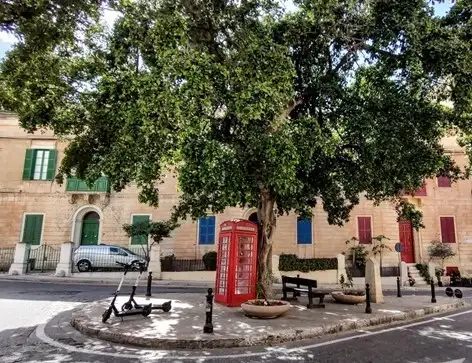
{"x": 25, "y": 308}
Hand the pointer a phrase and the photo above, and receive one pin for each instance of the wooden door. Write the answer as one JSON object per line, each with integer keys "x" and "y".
{"x": 89, "y": 232}
{"x": 407, "y": 241}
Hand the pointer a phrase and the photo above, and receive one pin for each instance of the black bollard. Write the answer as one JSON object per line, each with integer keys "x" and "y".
{"x": 368, "y": 309}
{"x": 149, "y": 282}
{"x": 208, "y": 327}
{"x": 433, "y": 292}
{"x": 399, "y": 292}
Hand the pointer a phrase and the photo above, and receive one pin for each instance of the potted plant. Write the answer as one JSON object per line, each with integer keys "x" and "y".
{"x": 439, "y": 272}
{"x": 440, "y": 251}
{"x": 264, "y": 308}
{"x": 348, "y": 296}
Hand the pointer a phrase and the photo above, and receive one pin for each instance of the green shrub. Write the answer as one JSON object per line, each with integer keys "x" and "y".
{"x": 293, "y": 263}
{"x": 424, "y": 272}
{"x": 209, "y": 260}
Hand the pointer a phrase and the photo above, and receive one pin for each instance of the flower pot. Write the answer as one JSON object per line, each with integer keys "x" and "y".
{"x": 343, "y": 298}
{"x": 265, "y": 311}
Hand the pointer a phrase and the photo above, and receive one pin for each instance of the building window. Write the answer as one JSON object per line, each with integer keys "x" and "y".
{"x": 364, "y": 230}
{"x": 304, "y": 231}
{"x": 444, "y": 182}
{"x": 448, "y": 230}
{"x": 32, "y": 229}
{"x": 143, "y": 239}
{"x": 206, "y": 230}
{"x": 421, "y": 192}
{"x": 39, "y": 164}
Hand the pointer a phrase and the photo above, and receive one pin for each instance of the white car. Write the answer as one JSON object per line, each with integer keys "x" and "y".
{"x": 88, "y": 258}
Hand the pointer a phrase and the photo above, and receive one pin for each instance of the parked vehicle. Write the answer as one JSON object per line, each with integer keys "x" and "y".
{"x": 88, "y": 258}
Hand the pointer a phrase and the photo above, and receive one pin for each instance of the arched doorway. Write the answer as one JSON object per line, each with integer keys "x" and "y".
{"x": 253, "y": 218}
{"x": 90, "y": 229}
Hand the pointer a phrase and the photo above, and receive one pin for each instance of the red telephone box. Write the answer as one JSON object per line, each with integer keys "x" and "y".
{"x": 236, "y": 268}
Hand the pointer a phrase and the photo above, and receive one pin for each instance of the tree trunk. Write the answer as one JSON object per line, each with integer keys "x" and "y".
{"x": 267, "y": 223}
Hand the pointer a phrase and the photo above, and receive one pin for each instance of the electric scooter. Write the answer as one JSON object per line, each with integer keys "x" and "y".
{"x": 132, "y": 304}
{"x": 143, "y": 310}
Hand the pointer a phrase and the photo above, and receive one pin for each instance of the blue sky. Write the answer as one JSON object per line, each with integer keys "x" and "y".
{"x": 6, "y": 40}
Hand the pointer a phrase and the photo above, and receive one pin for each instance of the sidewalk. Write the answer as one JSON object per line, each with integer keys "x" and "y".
{"x": 182, "y": 327}
{"x": 50, "y": 278}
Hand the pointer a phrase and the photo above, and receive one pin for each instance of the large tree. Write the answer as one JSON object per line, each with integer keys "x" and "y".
{"x": 251, "y": 106}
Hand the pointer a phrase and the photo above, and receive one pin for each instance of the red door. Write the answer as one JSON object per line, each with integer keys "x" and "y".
{"x": 406, "y": 239}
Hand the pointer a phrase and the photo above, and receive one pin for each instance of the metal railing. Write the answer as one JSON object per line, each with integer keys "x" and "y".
{"x": 175, "y": 265}
{"x": 6, "y": 258}
{"x": 389, "y": 271}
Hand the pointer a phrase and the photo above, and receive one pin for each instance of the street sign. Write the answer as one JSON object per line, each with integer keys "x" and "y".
{"x": 458, "y": 293}
{"x": 449, "y": 292}
{"x": 398, "y": 247}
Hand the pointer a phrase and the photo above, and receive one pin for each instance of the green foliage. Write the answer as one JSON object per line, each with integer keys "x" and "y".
{"x": 209, "y": 260}
{"x": 440, "y": 251}
{"x": 167, "y": 262}
{"x": 240, "y": 98}
{"x": 293, "y": 263}
{"x": 157, "y": 230}
{"x": 424, "y": 272}
{"x": 358, "y": 254}
{"x": 346, "y": 283}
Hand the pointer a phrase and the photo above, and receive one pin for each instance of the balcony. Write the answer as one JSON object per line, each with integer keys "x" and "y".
{"x": 75, "y": 185}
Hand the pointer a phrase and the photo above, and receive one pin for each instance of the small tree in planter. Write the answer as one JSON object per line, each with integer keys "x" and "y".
{"x": 440, "y": 251}
{"x": 156, "y": 230}
{"x": 347, "y": 296}
{"x": 380, "y": 247}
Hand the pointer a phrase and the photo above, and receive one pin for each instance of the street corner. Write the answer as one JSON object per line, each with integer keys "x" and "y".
{"x": 182, "y": 327}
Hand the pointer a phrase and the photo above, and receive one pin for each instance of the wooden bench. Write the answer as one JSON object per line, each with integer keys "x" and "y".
{"x": 298, "y": 285}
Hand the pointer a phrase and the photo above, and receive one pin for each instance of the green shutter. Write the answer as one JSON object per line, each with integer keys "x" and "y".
{"x": 32, "y": 229}
{"x": 29, "y": 164}
{"x": 51, "y": 165}
{"x": 139, "y": 240}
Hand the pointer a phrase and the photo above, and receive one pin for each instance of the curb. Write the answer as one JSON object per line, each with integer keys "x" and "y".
{"x": 81, "y": 324}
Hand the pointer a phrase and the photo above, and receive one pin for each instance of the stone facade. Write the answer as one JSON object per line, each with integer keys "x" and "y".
{"x": 63, "y": 210}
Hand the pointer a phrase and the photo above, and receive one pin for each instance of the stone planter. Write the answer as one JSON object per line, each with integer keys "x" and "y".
{"x": 340, "y": 297}
{"x": 265, "y": 312}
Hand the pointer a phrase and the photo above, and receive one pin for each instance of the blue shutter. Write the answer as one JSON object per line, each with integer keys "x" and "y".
{"x": 206, "y": 230}
{"x": 304, "y": 236}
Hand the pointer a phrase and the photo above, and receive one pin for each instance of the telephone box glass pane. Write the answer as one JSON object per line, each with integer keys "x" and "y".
{"x": 244, "y": 261}
{"x": 223, "y": 267}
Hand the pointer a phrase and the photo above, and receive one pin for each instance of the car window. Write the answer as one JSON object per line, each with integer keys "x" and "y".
{"x": 114, "y": 251}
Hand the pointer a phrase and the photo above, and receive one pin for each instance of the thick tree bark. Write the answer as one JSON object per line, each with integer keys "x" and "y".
{"x": 267, "y": 223}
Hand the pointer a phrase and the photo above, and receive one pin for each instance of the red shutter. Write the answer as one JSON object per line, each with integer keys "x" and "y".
{"x": 448, "y": 232}
{"x": 444, "y": 182}
{"x": 421, "y": 192}
{"x": 364, "y": 227}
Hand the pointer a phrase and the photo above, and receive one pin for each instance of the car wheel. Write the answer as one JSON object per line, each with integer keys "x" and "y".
{"x": 84, "y": 266}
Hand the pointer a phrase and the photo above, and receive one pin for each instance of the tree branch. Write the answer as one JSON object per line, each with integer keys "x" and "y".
{"x": 291, "y": 105}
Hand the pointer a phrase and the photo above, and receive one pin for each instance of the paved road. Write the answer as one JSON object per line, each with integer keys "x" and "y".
{"x": 24, "y": 336}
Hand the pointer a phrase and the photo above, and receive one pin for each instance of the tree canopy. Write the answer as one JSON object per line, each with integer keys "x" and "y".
{"x": 254, "y": 106}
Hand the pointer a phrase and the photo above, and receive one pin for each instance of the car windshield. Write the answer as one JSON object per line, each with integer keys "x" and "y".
{"x": 127, "y": 250}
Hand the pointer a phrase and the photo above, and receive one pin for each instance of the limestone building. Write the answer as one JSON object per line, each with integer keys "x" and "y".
{"x": 37, "y": 210}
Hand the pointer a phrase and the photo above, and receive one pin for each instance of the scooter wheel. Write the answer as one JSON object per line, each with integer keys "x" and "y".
{"x": 166, "y": 306}
{"x": 106, "y": 315}
{"x": 147, "y": 310}
{"x": 126, "y": 306}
